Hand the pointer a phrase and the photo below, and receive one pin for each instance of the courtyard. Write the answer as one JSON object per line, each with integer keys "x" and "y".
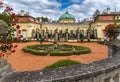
{"x": 21, "y": 61}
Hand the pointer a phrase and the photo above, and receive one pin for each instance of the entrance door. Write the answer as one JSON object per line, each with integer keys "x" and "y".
{"x": 24, "y": 33}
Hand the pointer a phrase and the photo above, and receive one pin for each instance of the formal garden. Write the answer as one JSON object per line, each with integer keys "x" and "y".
{"x": 56, "y": 49}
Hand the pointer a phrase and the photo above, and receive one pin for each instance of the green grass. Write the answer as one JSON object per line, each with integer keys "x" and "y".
{"x": 63, "y": 63}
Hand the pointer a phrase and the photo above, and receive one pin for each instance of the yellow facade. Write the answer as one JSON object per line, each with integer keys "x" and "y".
{"x": 28, "y": 27}
{"x": 66, "y": 21}
{"x": 99, "y": 26}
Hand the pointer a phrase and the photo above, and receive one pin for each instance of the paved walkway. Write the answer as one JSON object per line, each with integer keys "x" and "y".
{"x": 26, "y": 62}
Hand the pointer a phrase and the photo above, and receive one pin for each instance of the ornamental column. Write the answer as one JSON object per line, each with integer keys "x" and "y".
{"x": 66, "y": 35}
{"x": 56, "y": 35}
{"x": 78, "y": 35}
{"x": 46, "y": 34}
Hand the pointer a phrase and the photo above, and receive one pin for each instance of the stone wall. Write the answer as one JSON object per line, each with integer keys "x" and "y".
{"x": 106, "y": 70}
{"x": 113, "y": 48}
{"x": 5, "y": 69}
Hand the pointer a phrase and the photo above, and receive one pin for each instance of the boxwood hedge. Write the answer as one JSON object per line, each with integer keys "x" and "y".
{"x": 35, "y": 52}
{"x": 62, "y": 50}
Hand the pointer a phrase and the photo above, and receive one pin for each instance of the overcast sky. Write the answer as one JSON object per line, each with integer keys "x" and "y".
{"x": 54, "y": 8}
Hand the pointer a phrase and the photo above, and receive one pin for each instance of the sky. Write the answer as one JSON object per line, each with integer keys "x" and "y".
{"x": 53, "y": 9}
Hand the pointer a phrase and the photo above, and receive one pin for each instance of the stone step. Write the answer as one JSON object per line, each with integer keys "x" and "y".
{"x": 3, "y": 62}
{"x": 5, "y": 69}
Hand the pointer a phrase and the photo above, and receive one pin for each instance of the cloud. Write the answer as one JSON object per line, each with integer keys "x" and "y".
{"x": 52, "y": 8}
{"x": 88, "y": 7}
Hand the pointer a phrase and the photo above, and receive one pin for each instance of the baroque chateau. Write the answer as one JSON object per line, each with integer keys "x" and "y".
{"x": 66, "y": 28}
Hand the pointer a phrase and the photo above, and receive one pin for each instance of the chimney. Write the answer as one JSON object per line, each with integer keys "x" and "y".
{"x": 27, "y": 13}
{"x": 108, "y": 10}
{"x": 22, "y": 13}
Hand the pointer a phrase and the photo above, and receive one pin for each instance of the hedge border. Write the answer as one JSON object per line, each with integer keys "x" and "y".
{"x": 78, "y": 50}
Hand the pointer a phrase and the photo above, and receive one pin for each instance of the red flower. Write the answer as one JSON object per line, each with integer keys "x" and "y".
{"x": 15, "y": 46}
{"x": 13, "y": 51}
{"x": 13, "y": 14}
{"x": 3, "y": 55}
{"x": 11, "y": 45}
{"x": 1, "y": 3}
{"x": 19, "y": 31}
{"x": 18, "y": 26}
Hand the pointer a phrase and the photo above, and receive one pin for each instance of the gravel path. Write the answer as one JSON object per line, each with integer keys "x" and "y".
{"x": 27, "y": 62}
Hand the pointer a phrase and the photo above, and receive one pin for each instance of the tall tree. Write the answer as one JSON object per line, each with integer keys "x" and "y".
{"x": 96, "y": 13}
{"x": 43, "y": 19}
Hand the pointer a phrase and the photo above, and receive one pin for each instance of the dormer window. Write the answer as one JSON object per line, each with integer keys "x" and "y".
{"x": 117, "y": 17}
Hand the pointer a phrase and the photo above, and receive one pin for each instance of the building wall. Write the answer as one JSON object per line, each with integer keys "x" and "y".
{"x": 66, "y": 21}
{"x": 28, "y": 27}
{"x": 99, "y": 26}
{"x": 63, "y": 27}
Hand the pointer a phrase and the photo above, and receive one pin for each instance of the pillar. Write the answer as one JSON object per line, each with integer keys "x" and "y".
{"x": 66, "y": 36}
{"x": 46, "y": 36}
{"x": 56, "y": 36}
{"x": 38, "y": 36}
{"x": 88, "y": 35}
{"x": 78, "y": 36}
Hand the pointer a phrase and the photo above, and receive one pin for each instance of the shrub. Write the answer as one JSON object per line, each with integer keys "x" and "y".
{"x": 61, "y": 53}
{"x": 61, "y": 50}
{"x": 35, "y": 52}
{"x": 63, "y": 63}
{"x": 103, "y": 42}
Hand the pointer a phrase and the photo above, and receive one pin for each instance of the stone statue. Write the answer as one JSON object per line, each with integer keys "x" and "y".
{"x": 3, "y": 27}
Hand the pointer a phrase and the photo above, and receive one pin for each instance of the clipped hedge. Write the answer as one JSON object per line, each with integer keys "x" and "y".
{"x": 61, "y": 53}
{"x": 63, "y": 63}
{"x": 79, "y": 50}
{"x": 35, "y": 52}
{"x": 62, "y": 50}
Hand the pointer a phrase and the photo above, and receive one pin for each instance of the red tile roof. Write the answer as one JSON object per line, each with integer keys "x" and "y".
{"x": 27, "y": 18}
{"x": 107, "y": 17}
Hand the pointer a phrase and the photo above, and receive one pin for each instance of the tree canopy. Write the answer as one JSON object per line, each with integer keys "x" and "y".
{"x": 43, "y": 19}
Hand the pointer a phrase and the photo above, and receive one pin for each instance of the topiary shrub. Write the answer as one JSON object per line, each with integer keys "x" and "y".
{"x": 63, "y": 63}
